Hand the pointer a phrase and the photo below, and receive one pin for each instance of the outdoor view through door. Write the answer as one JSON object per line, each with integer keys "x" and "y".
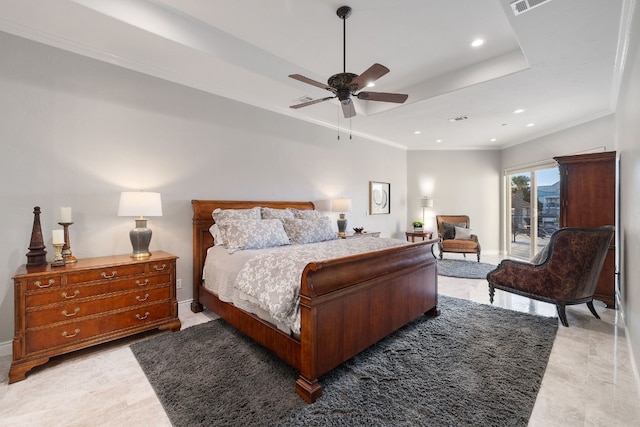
{"x": 534, "y": 206}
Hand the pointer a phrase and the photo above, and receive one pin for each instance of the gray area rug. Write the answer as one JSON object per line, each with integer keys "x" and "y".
{"x": 466, "y": 269}
{"x": 474, "y": 365}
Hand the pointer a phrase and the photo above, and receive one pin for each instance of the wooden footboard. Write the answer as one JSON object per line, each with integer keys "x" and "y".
{"x": 346, "y": 304}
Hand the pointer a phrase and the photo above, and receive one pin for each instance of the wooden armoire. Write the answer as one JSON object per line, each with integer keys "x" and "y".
{"x": 587, "y": 199}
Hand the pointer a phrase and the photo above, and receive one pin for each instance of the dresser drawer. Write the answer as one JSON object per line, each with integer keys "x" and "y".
{"x": 78, "y": 291}
{"x": 44, "y": 282}
{"x": 113, "y": 272}
{"x": 75, "y": 310}
{"x": 76, "y": 332}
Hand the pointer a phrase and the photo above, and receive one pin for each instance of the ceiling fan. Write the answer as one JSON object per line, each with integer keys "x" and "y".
{"x": 345, "y": 85}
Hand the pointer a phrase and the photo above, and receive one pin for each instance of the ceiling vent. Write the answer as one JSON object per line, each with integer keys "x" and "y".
{"x": 458, "y": 119}
{"x": 522, "y": 6}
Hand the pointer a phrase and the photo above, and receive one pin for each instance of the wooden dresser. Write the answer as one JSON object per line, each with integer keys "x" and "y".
{"x": 588, "y": 199}
{"x": 95, "y": 300}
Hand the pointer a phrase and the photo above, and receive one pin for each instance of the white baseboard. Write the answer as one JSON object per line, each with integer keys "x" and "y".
{"x": 184, "y": 305}
{"x": 6, "y": 348}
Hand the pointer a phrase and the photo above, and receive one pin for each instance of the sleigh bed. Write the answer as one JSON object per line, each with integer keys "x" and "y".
{"x": 345, "y": 304}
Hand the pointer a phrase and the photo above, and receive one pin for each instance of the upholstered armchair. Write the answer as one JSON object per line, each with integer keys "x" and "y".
{"x": 455, "y": 235}
{"x": 564, "y": 273}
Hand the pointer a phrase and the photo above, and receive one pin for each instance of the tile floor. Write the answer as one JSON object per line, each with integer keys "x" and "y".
{"x": 588, "y": 382}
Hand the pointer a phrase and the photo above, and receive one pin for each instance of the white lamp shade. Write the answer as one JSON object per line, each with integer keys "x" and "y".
{"x": 426, "y": 202}
{"x": 341, "y": 205}
{"x": 140, "y": 203}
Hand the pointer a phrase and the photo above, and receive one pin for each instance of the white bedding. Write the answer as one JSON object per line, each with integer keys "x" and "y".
{"x": 266, "y": 282}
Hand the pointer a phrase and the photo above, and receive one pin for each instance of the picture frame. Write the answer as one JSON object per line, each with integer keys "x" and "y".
{"x": 379, "y": 198}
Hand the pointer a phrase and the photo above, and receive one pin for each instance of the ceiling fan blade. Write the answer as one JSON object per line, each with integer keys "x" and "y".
{"x": 307, "y": 80}
{"x": 315, "y": 101}
{"x": 372, "y": 74}
{"x": 383, "y": 96}
{"x": 347, "y": 109}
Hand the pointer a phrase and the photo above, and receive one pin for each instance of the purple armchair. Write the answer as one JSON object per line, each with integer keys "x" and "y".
{"x": 566, "y": 271}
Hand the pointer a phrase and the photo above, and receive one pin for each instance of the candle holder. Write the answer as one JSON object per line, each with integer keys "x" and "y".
{"x": 58, "y": 261}
{"x": 66, "y": 249}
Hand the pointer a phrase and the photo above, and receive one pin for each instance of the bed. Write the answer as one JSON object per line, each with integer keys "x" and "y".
{"x": 345, "y": 304}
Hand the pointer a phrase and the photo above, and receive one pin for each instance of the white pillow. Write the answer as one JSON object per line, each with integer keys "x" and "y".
{"x": 463, "y": 233}
{"x": 222, "y": 216}
{"x": 302, "y": 231}
{"x": 255, "y": 234}
{"x": 215, "y": 232}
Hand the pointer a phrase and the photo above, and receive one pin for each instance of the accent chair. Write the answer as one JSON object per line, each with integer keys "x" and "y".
{"x": 456, "y": 236}
{"x": 564, "y": 273}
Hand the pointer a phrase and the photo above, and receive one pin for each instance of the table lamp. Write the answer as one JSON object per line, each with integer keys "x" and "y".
{"x": 140, "y": 204}
{"x": 342, "y": 206}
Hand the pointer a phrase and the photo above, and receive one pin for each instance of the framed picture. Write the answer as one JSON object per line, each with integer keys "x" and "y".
{"x": 379, "y": 198}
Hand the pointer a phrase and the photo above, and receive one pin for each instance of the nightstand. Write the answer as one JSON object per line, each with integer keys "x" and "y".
{"x": 423, "y": 234}
{"x": 62, "y": 309}
{"x": 363, "y": 234}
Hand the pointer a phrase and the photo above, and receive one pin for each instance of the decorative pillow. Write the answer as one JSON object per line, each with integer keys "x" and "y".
{"x": 222, "y": 216}
{"x": 302, "y": 231}
{"x": 255, "y": 234}
{"x": 271, "y": 213}
{"x": 462, "y": 233}
{"x": 541, "y": 256}
{"x": 449, "y": 229}
{"x": 305, "y": 213}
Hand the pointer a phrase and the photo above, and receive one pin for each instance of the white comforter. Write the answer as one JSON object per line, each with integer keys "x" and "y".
{"x": 266, "y": 282}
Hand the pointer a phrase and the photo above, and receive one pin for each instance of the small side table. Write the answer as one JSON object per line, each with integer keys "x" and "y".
{"x": 411, "y": 235}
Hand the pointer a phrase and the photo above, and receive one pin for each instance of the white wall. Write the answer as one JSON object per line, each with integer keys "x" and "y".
{"x": 628, "y": 146}
{"x": 76, "y": 132}
{"x": 460, "y": 183}
{"x": 596, "y": 135}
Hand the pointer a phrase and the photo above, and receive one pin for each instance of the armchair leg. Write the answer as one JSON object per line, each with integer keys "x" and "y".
{"x": 478, "y": 256}
{"x": 562, "y": 314}
{"x": 492, "y": 292}
{"x": 592, "y": 309}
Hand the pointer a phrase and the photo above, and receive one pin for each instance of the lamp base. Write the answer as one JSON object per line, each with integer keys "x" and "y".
{"x": 140, "y": 239}
{"x": 342, "y": 226}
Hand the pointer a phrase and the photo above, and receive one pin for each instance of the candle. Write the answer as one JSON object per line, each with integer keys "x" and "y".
{"x": 58, "y": 237}
{"x": 65, "y": 214}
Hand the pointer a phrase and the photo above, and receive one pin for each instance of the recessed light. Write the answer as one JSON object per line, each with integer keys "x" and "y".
{"x": 530, "y": 125}
{"x": 371, "y": 84}
{"x": 477, "y": 42}
{"x": 518, "y": 111}
{"x": 438, "y": 140}
{"x": 417, "y": 132}
{"x": 492, "y": 140}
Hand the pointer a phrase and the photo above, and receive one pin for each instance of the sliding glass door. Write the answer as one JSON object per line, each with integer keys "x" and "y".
{"x": 533, "y": 209}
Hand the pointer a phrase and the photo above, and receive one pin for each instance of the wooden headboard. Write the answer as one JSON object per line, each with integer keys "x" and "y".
{"x": 203, "y": 220}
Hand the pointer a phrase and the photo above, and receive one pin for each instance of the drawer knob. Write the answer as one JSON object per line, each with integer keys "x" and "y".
{"x": 161, "y": 268}
{"x": 76, "y": 311}
{"x": 39, "y": 284}
{"x": 139, "y": 298}
{"x": 75, "y": 294}
{"x": 146, "y": 282}
{"x": 67, "y": 335}
{"x": 146, "y": 314}
{"x": 113, "y": 274}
